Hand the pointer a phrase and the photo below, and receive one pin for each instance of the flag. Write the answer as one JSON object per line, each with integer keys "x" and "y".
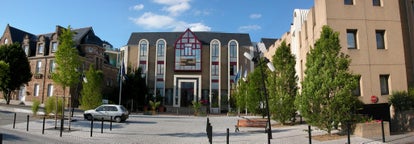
{"x": 237, "y": 77}
{"x": 122, "y": 73}
{"x": 245, "y": 75}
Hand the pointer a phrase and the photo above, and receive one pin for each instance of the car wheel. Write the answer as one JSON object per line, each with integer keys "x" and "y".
{"x": 118, "y": 119}
{"x": 89, "y": 117}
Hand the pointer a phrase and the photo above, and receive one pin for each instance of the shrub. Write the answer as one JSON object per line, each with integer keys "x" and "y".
{"x": 402, "y": 100}
{"x": 50, "y": 106}
{"x": 35, "y": 107}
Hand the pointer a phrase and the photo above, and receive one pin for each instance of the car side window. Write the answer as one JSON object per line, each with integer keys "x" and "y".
{"x": 112, "y": 108}
{"x": 100, "y": 108}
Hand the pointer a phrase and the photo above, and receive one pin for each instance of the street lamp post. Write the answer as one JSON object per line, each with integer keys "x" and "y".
{"x": 256, "y": 59}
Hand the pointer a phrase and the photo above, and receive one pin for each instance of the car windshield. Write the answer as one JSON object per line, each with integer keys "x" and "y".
{"x": 123, "y": 108}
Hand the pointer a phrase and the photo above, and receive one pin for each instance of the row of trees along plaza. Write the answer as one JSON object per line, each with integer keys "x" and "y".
{"x": 326, "y": 98}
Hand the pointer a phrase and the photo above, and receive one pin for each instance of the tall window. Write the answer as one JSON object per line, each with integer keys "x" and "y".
{"x": 36, "y": 90}
{"x": 49, "y": 90}
{"x": 349, "y": 2}
{"x": 379, "y": 34}
{"x": 376, "y": 2}
{"x": 233, "y": 49}
{"x": 52, "y": 66}
{"x": 215, "y": 70}
{"x": 160, "y": 69}
{"x": 6, "y": 41}
{"x": 38, "y": 66}
{"x": 161, "y": 48}
{"x": 143, "y": 49}
{"x": 40, "y": 48}
{"x": 26, "y": 49}
{"x": 357, "y": 90}
{"x": 188, "y": 52}
{"x": 54, "y": 46}
{"x": 215, "y": 50}
{"x": 233, "y": 69}
{"x": 351, "y": 37}
{"x": 384, "y": 84}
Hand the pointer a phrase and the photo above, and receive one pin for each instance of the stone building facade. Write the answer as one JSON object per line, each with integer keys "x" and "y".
{"x": 40, "y": 50}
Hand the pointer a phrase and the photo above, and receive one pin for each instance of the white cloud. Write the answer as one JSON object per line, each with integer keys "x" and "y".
{"x": 138, "y": 7}
{"x": 249, "y": 28}
{"x": 255, "y": 16}
{"x": 153, "y": 21}
{"x": 174, "y": 7}
{"x": 181, "y": 26}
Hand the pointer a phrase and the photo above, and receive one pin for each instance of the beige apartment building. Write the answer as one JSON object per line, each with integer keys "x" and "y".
{"x": 374, "y": 33}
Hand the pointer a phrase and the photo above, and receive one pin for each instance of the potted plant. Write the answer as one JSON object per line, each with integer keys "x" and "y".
{"x": 154, "y": 105}
{"x": 196, "y": 107}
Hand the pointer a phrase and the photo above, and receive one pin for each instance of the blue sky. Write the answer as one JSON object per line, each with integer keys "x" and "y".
{"x": 115, "y": 20}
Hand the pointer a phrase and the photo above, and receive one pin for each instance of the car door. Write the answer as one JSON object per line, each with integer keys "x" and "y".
{"x": 112, "y": 111}
{"x": 100, "y": 112}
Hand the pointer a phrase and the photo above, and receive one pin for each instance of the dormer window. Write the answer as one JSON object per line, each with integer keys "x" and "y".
{"x": 54, "y": 46}
{"x": 26, "y": 50}
{"x": 40, "y": 48}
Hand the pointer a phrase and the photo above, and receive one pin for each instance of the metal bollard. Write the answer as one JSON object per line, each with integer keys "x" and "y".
{"x": 27, "y": 127}
{"x": 383, "y": 133}
{"x": 91, "y": 126}
{"x": 102, "y": 125}
{"x": 310, "y": 134}
{"x": 228, "y": 135}
{"x": 110, "y": 124}
{"x": 43, "y": 127}
{"x": 14, "y": 121}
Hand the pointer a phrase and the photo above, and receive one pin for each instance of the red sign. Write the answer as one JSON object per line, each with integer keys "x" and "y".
{"x": 374, "y": 99}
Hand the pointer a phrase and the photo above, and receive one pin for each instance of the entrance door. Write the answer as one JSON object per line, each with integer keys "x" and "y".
{"x": 186, "y": 90}
{"x": 187, "y": 93}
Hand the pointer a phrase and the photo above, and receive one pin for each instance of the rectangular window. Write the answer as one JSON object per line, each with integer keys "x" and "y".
{"x": 376, "y": 2}
{"x": 49, "y": 90}
{"x": 54, "y": 46}
{"x": 40, "y": 48}
{"x": 160, "y": 52}
{"x": 357, "y": 90}
{"x": 214, "y": 70}
{"x": 349, "y": 2}
{"x": 38, "y": 66}
{"x": 36, "y": 90}
{"x": 351, "y": 37}
{"x": 233, "y": 50}
{"x": 233, "y": 70}
{"x": 379, "y": 34}
{"x": 160, "y": 69}
{"x": 215, "y": 51}
{"x": 143, "y": 68}
{"x": 384, "y": 84}
{"x": 52, "y": 66}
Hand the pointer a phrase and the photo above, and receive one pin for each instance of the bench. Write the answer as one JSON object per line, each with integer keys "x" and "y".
{"x": 255, "y": 122}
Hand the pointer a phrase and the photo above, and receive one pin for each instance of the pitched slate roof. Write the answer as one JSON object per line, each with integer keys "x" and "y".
{"x": 268, "y": 42}
{"x": 205, "y": 37}
{"x": 18, "y": 35}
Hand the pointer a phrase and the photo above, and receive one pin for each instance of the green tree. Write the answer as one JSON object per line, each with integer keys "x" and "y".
{"x": 92, "y": 89}
{"x": 18, "y": 72}
{"x": 240, "y": 95}
{"x": 255, "y": 94}
{"x": 134, "y": 89}
{"x": 282, "y": 84}
{"x": 326, "y": 99}
{"x": 67, "y": 60}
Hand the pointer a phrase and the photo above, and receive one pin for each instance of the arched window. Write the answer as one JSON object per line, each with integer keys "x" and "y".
{"x": 143, "y": 47}
{"x": 233, "y": 49}
{"x": 215, "y": 50}
{"x": 161, "y": 48}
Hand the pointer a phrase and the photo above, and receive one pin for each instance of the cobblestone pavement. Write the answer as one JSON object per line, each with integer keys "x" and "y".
{"x": 178, "y": 129}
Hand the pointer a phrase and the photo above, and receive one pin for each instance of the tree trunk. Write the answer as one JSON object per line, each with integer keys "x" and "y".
{"x": 7, "y": 96}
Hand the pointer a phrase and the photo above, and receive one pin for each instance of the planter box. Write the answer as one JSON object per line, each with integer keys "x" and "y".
{"x": 214, "y": 110}
{"x": 371, "y": 129}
